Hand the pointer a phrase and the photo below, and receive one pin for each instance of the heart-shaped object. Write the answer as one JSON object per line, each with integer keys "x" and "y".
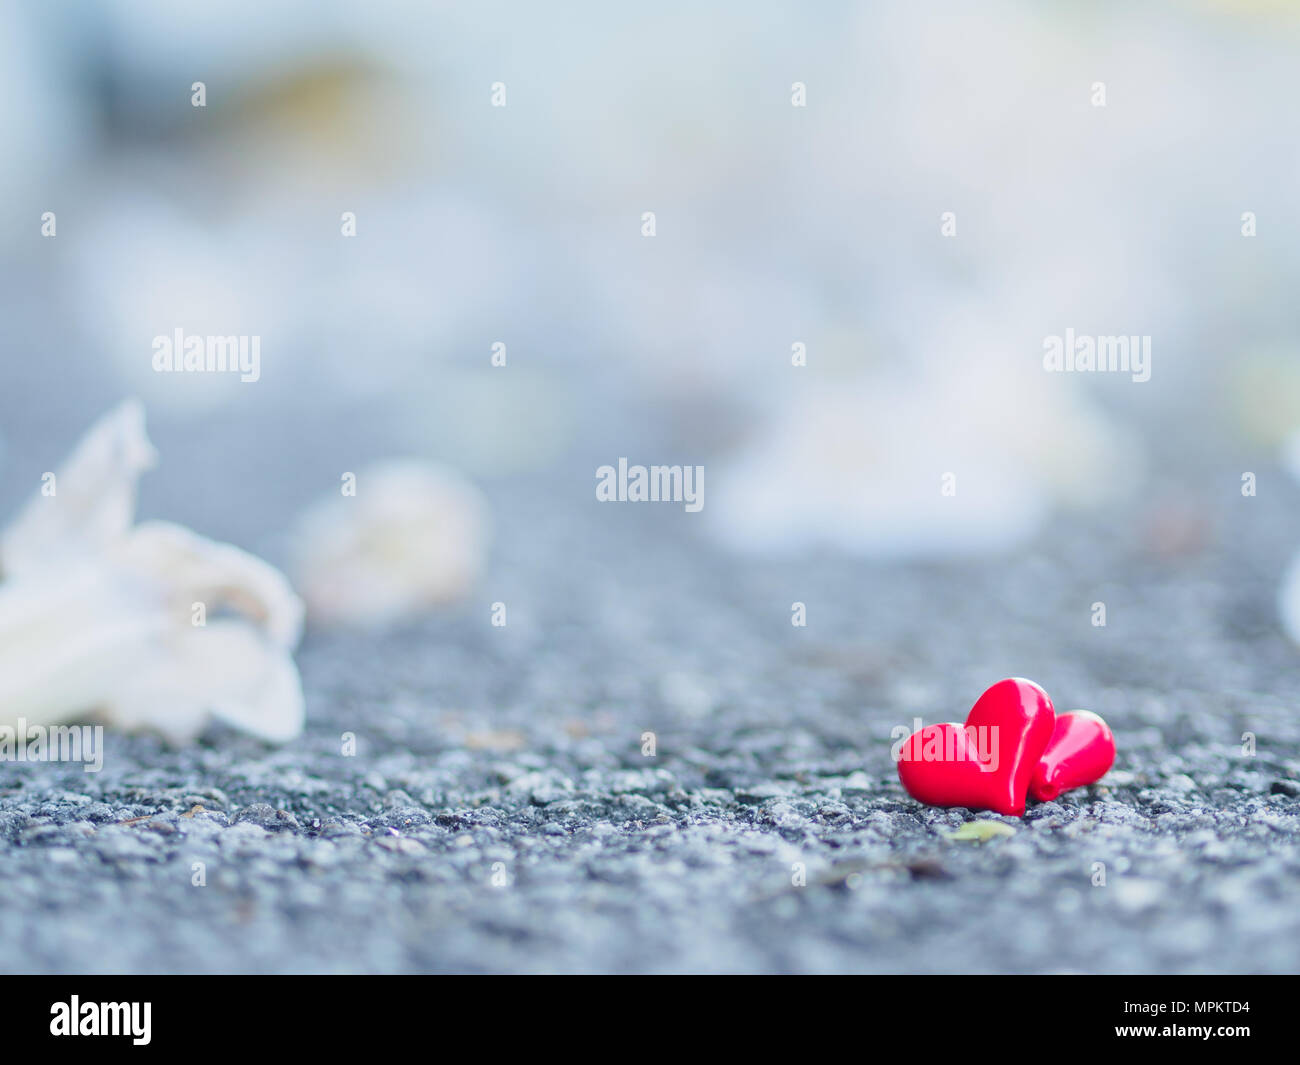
{"x": 987, "y": 763}
{"x": 1080, "y": 751}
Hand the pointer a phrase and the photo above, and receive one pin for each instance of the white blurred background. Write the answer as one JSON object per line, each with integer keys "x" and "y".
{"x": 775, "y": 225}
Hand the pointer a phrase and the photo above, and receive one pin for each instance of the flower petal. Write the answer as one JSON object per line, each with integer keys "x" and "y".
{"x": 67, "y": 635}
{"x": 94, "y": 495}
{"x": 413, "y": 537}
{"x": 96, "y": 616}
{"x": 185, "y": 568}
{"x": 225, "y": 668}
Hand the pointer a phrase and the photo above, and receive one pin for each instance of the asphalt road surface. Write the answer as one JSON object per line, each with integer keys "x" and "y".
{"x": 499, "y": 813}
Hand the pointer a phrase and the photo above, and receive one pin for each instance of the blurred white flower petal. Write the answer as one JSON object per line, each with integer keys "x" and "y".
{"x": 1291, "y": 454}
{"x": 227, "y": 669}
{"x": 147, "y": 268}
{"x": 97, "y": 615}
{"x": 1288, "y": 600}
{"x": 859, "y": 467}
{"x": 200, "y": 570}
{"x": 95, "y": 493}
{"x": 414, "y": 536}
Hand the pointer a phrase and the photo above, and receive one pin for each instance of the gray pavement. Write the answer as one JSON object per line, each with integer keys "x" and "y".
{"x": 499, "y": 814}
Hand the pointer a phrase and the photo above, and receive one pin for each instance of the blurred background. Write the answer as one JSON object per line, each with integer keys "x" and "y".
{"x": 776, "y": 225}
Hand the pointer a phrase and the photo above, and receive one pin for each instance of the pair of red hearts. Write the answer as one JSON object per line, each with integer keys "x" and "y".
{"x": 1012, "y": 744}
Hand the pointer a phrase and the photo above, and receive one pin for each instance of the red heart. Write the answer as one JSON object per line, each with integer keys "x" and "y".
{"x": 987, "y": 763}
{"x": 1080, "y": 751}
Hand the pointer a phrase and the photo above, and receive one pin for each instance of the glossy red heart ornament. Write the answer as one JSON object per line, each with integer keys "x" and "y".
{"x": 987, "y": 763}
{"x": 1080, "y": 751}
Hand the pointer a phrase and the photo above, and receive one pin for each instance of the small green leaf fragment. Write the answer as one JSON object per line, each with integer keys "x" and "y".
{"x": 980, "y": 831}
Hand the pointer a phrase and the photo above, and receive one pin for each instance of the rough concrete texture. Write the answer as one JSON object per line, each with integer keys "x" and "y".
{"x": 516, "y": 752}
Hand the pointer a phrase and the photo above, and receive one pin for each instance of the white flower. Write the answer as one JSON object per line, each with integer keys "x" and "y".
{"x": 412, "y": 537}
{"x": 1288, "y": 596}
{"x": 99, "y": 615}
{"x": 1291, "y": 454}
{"x": 949, "y": 463}
{"x": 1288, "y": 600}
